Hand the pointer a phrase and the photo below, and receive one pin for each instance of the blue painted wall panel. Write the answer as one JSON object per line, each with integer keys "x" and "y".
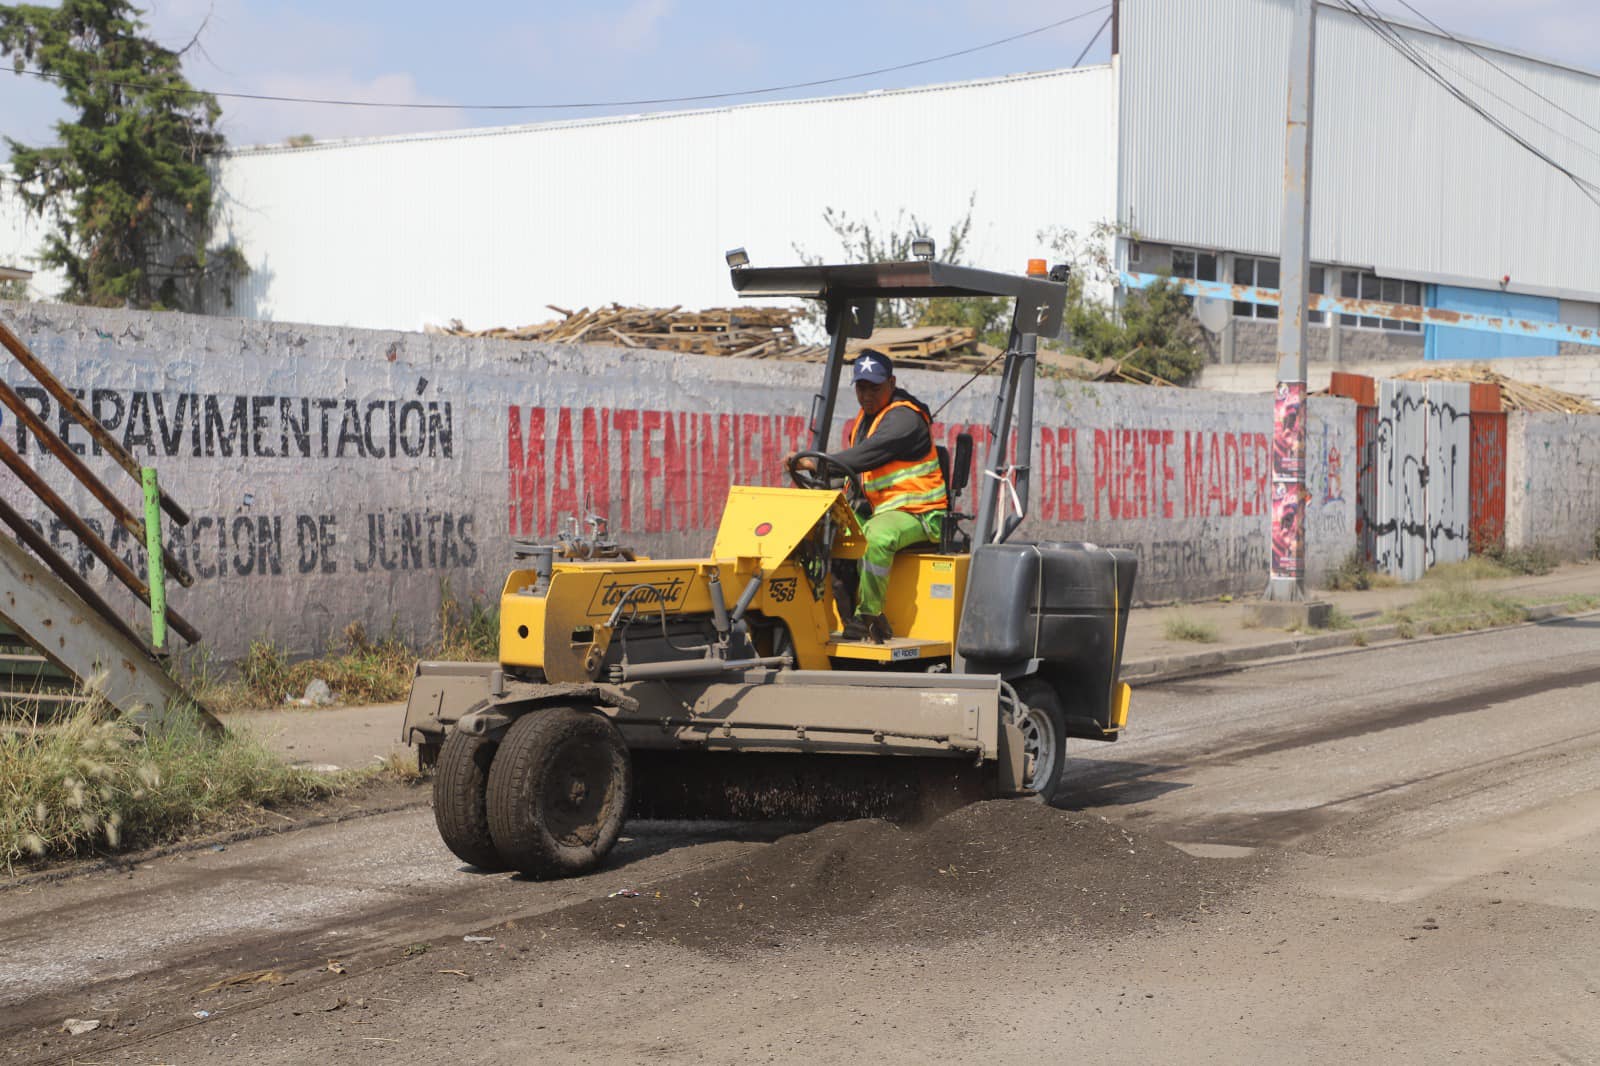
{"x": 1443, "y": 342}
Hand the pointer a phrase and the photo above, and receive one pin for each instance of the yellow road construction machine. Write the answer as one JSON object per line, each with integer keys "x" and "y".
{"x": 723, "y": 685}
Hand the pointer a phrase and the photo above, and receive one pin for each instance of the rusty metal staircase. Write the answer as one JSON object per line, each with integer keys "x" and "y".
{"x": 26, "y": 676}
{"x": 58, "y": 636}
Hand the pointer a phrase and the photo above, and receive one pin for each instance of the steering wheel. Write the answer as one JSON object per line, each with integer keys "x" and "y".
{"x": 829, "y": 475}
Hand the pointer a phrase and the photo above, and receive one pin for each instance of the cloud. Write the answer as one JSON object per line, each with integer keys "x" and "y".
{"x": 637, "y": 28}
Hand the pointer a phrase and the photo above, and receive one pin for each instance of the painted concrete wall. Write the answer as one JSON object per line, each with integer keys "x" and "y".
{"x": 1553, "y": 481}
{"x": 1575, "y": 372}
{"x": 340, "y": 474}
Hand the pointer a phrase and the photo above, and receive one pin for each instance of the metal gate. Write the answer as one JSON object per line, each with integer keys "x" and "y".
{"x": 1488, "y": 480}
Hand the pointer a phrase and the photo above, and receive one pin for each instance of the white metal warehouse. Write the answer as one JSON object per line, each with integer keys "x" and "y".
{"x": 1180, "y": 138}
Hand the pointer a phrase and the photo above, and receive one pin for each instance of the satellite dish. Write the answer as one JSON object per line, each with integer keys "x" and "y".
{"x": 1212, "y": 312}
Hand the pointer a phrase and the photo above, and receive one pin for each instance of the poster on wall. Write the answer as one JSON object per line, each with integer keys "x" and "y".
{"x": 1288, "y": 529}
{"x": 1289, "y": 430}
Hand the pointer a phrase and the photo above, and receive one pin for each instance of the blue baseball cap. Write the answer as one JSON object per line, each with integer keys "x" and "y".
{"x": 872, "y": 365}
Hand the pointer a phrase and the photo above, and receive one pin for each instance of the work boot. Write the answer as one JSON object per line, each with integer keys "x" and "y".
{"x": 873, "y": 628}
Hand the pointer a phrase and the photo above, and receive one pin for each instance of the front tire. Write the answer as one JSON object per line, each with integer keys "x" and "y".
{"x": 1044, "y": 738}
{"x": 460, "y": 803}
{"x": 558, "y": 792}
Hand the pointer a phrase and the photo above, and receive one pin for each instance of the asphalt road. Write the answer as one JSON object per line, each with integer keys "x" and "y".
{"x": 1417, "y": 829}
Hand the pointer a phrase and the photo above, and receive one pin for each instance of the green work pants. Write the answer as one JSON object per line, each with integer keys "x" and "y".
{"x": 887, "y": 532}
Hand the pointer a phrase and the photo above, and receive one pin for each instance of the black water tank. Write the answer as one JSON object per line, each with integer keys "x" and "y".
{"x": 1060, "y": 602}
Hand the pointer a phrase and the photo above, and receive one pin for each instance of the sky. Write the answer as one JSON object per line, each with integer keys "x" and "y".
{"x": 498, "y": 52}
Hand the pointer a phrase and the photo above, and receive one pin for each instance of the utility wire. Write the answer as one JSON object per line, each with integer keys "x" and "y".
{"x": 1093, "y": 39}
{"x": 1375, "y": 21}
{"x": 1385, "y": 32}
{"x": 605, "y": 103}
{"x": 1481, "y": 55}
{"x": 1524, "y": 112}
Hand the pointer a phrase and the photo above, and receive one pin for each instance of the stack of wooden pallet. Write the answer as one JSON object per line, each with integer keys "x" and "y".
{"x": 739, "y": 331}
{"x": 1515, "y": 395}
{"x": 768, "y": 333}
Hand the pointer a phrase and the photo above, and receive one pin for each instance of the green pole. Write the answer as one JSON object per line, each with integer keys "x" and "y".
{"x": 152, "y": 550}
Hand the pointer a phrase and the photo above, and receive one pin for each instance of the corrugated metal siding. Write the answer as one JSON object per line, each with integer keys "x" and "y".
{"x": 1405, "y": 178}
{"x": 490, "y": 226}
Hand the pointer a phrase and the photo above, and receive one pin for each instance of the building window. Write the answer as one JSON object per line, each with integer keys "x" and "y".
{"x": 1196, "y": 266}
{"x": 1259, "y": 274}
{"x": 1387, "y": 290}
{"x": 1263, "y": 274}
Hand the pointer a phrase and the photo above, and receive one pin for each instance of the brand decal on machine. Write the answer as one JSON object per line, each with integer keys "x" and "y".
{"x": 661, "y": 588}
{"x": 781, "y": 589}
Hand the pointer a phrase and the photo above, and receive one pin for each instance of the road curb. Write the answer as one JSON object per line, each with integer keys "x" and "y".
{"x": 1175, "y": 667}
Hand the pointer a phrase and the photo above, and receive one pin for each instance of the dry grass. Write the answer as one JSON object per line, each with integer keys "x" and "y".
{"x": 1473, "y": 568}
{"x": 358, "y": 670}
{"x": 88, "y": 782}
{"x": 1354, "y": 573}
{"x": 1452, "y": 605}
{"x": 1181, "y": 626}
{"x": 1534, "y": 559}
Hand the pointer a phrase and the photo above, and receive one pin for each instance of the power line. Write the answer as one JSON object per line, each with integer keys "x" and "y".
{"x": 1093, "y": 39}
{"x": 1386, "y": 33}
{"x": 1524, "y": 112}
{"x": 1475, "y": 51}
{"x": 583, "y": 105}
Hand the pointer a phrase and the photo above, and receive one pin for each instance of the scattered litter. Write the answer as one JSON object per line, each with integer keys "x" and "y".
{"x": 79, "y": 1026}
{"x": 478, "y": 939}
{"x": 253, "y": 977}
{"x": 625, "y": 893}
{"x": 218, "y": 847}
{"x": 202, "y": 1014}
{"x": 457, "y": 973}
{"x": 335, "y": 966}
{"x": 323, "y": 768}
{"x": 317, "y": 694}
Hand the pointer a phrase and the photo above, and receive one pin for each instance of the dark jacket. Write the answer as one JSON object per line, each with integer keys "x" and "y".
{"x": 902, "y": 436}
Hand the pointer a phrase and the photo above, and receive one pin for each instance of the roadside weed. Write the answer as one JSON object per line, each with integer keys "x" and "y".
{"x": 88, "y": 782}
{"x": 358, "y": 669}
{"x": 1181, "y": 626}
{"x": 1453, "y": 605}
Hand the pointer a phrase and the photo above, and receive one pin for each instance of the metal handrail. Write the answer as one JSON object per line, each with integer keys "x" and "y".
{"x": 152, "y": 594}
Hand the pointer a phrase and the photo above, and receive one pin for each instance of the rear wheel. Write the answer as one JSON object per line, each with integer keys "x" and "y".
{"x": 460, "y": 803}
{"x": 558, "y": 791}
{"x": 1044, "y": 738}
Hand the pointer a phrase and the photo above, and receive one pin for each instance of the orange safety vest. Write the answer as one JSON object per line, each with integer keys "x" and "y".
{"x": 915, "y": 486}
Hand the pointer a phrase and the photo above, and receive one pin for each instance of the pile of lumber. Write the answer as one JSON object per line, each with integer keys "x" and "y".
{"x": 738, "y": 331}
{"x": 768, "y": 333}
{"x": 1514, "y": 395}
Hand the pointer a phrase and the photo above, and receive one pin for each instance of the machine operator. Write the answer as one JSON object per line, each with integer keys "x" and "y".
{"x": 890, "y": 447}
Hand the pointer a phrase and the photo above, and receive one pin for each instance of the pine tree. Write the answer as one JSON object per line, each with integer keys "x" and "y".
{"x": 127, "y": 192}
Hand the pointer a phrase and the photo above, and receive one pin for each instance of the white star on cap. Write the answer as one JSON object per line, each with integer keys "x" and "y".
{"x": 868, "y": 366}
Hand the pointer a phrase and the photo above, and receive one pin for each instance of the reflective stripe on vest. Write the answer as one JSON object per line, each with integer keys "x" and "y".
{"x": 915, "y": 486}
